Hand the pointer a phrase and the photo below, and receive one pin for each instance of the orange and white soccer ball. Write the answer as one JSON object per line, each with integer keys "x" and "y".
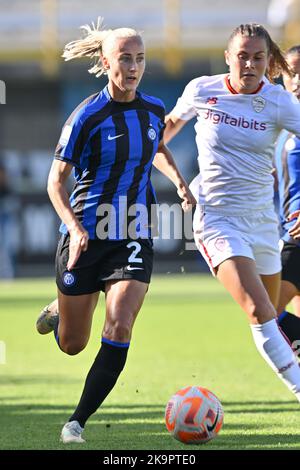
{"x": 194, "y": 415}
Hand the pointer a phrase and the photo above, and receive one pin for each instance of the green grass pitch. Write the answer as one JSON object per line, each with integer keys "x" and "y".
{"x": 189, "y": 332}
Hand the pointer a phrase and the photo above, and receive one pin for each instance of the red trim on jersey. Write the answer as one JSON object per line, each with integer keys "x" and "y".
{"x": 232, "y": 90}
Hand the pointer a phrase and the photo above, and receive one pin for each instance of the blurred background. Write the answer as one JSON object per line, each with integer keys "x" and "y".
{"x": 184, "y": 39}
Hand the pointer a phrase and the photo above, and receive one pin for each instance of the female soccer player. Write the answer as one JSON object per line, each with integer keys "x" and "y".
{"x": 287, "y": 162}
{"x": 239, "y": 116}
{"x": 111, "y": 139}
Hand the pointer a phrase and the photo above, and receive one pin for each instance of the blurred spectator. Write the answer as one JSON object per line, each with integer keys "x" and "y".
{"x": 7, "y": 249}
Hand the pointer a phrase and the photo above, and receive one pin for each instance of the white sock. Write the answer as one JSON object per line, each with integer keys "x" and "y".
{"x": 277, "y": 352}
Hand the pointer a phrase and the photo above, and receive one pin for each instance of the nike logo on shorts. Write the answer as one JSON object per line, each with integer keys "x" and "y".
{"x": 113, "y": 137}
{"x": 132, "y": 268}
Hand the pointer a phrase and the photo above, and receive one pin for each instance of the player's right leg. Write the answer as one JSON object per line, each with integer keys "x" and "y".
{"x": 78, "y": 292}
{"x": 48, "y": 318}
{"x": 75, "y": 321}
{"x": 72, "y": 325}
{"x": 72, "y": 335}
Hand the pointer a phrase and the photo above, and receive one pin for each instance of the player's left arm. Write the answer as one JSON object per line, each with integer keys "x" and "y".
{"x": 165, "y": 163}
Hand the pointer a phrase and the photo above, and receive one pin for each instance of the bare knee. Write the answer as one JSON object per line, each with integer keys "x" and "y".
{"x": 71, "y": 347}
{"x": 117, "y": 330}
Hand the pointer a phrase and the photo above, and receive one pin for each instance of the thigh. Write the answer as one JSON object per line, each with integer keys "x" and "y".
{"x": 123, "y": 302}
{"x": 272, "y": 285}
{"x": 239, "y": 276}
{"x": 219, "y": 237}
{"x": 75, "y": 317}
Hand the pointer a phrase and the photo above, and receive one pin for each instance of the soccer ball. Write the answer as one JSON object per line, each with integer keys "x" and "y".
{"x": 194, "y": 415}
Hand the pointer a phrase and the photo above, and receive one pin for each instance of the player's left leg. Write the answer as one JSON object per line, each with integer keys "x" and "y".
{"x": 123, "y": 301}
{"x": 239, "y": 276}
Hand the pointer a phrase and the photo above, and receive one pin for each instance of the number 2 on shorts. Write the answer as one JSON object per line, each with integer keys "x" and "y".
{"x": 133, "y": 257}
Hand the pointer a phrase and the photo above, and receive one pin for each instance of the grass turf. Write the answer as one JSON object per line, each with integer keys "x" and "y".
{"x": 189, "y": 332}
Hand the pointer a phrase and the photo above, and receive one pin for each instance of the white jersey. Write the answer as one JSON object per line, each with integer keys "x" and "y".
{"x": 235, "y": 135}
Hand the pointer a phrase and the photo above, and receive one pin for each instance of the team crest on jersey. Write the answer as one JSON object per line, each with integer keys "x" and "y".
{"x": 68, "y": 279}
{"x": 151, "y": 133}
{"x": 258, "y": 103}
{"x": 221, "y": 244}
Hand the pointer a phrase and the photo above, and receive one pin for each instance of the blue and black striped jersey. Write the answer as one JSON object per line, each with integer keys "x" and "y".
{"x": 112, "y": 145}
{"x": 287, "y": 162}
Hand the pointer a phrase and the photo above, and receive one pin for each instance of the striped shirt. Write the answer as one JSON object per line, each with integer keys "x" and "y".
{"x": 287, "y": 161}
{"x": 112, "y": 145}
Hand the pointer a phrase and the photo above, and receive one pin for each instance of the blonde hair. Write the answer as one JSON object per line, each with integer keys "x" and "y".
{"x": 278, "y": 63}
{"x": 96, "y": 42}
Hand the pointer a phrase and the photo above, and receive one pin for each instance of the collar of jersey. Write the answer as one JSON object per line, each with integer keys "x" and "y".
{"x": 233, "y": 92}
{"x": 121, "y": 103}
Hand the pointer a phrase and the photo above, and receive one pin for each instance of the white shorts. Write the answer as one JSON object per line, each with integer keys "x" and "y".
{"x": 219, "y": 237}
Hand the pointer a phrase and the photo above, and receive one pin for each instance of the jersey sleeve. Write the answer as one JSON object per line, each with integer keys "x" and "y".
{"x": 71, "y": 142}
{"x": 185, "y": 108}
{"x": 161, "y": 123}
{"x": 289, "y": 113}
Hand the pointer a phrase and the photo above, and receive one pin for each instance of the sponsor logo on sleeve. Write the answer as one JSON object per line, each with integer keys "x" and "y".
{"x": 65, "y": 135}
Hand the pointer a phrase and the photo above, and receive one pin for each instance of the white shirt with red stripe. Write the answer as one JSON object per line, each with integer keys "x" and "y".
{"x": 235, "y": 135}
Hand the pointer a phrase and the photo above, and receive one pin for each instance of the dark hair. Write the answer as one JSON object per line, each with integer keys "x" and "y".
{"x": 293, "y": 50}
{"x": 278, "y": 63}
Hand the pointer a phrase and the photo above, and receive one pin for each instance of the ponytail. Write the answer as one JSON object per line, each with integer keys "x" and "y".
{"x": 92, "y": 45}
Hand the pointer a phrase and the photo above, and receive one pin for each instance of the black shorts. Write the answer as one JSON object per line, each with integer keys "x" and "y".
{"x": 104, "y": 260}
{"x": 290, "y": 258}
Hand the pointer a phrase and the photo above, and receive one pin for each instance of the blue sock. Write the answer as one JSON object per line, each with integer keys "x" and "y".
{"x": 290, "y": 325}
{"x": 101, "y": 379}
{"x": 55, "y": 331}
{"x": 281, "y": 316}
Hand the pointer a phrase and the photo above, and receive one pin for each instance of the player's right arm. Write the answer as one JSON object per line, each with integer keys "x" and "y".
{"x": 173, "y": 126}
{"x": 183, "y": 111}
{"x": 59, "y": 197}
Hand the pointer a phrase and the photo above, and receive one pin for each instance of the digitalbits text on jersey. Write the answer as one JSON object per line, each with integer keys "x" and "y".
{"x": 224, "y": 118}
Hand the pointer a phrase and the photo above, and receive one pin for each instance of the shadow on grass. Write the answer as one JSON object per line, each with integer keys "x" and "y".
{"x": 257, "y": 407}
{"x": 22, "y": 302}
{"x": 38, "y": 379}
{"x": 124, "y": 427}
